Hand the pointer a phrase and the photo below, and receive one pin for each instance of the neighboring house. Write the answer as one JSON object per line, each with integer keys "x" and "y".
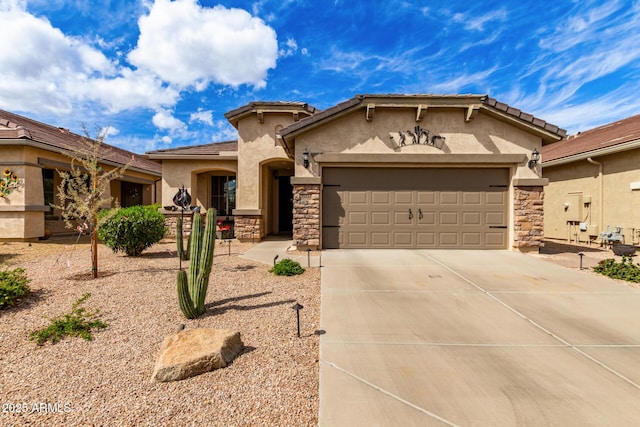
{"x": 33, "y": 151}
{"x": 594, "y": 183}
{"x": 376, "y": 171}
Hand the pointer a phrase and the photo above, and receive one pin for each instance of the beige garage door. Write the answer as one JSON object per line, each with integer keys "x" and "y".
{"x": 414, "y": 208}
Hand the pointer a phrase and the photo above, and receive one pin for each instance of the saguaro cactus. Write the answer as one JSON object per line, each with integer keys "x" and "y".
{"x": 182, "y": 253}
{"x": 192, "y": 287}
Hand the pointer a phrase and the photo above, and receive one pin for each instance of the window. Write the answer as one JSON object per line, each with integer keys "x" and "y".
{"x": 48, "y": 185}
{"x": 223, "y": 194}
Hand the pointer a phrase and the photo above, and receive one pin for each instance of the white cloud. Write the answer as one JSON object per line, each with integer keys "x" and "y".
{"x": 205, "y": 117}
{"x": 290, "y": 47}
{"x": 164, "y": 120}
{"x": 477, "y": 23}
{"x": 190, "y": 46}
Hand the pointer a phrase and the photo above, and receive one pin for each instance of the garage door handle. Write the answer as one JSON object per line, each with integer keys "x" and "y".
{"x": 497, "y": 226}
{"x": 410, "y": 214}
{"x": 420, "y": 214}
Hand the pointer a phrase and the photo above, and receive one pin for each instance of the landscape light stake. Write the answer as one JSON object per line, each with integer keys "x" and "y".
{"x": 297, "y": 307}
{"x": 274, "y": 260}
{"x": 580, "y": 254}
{"x": 308, "y": 257}
{"x": 229, "y": 247}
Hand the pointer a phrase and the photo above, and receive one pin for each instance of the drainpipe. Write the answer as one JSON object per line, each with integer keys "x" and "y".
{"x": 601, "y": 191}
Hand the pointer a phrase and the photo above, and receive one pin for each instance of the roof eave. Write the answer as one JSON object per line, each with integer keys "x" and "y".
{"x": 69, "y": 153}
{"x": 547, "y": 136}
{"x": 167, "y": 156}
{"x": 593, "y": 153}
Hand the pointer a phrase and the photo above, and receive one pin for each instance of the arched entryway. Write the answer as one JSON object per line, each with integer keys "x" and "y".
{"x": 277, "y": 196}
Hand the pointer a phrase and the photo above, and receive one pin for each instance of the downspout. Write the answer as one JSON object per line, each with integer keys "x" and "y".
{"x": 601, "y": 191}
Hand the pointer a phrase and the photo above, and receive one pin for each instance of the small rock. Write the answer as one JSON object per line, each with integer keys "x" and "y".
{"x": 195, "y": 351}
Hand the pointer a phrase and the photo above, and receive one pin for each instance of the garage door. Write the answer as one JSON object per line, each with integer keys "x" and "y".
{"x": 414, "y": 208}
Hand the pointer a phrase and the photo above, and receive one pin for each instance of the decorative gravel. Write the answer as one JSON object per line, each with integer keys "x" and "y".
{"x": 106, "y": 382}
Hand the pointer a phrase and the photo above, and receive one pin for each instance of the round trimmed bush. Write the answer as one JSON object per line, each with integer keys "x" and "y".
{"x": 132, "y": 230}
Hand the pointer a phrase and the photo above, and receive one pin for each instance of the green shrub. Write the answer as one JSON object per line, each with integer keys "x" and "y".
{"x": 624, "y": 270}
{"x": 13, "y": 286}
{"x": 78, "y": 323}
{"x": 132, "y": 230}
{"x": 287, "y": 267}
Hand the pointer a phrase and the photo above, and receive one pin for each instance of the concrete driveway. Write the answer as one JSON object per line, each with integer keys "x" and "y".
{"x": 474, "y": 338}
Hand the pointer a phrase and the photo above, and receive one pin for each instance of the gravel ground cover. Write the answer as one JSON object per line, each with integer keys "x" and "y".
{"x": 106, "y": 382}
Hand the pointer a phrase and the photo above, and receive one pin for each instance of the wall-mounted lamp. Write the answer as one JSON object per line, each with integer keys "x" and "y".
{"x": 535, "y": 158}
{"x": 305, "y": 158}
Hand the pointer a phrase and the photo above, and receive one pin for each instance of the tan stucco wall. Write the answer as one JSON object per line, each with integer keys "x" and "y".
{"x": 569, "y": 182}
{"x": 353, "y": 134}
{"x": 257, "y": 145}
{"x": 195, "y": 176}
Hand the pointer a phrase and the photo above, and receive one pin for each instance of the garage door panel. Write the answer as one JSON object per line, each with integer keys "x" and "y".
{"x": 471, "y": 198}
{"x": 380, "y": 198}
{"x": 448, "y": 238}
{"x": 426, "y": 198}
{"x": 495, "y": 218}
{"x": 496, "y": 239}
{"x": 403, "y": 198}
{"x": 357, "y": 218}
{"x": 357, "y": 197}
{"x": 472, "y": 239}
{"x": 471, "y": 218}
{"x": 381, "y": 218}
{"x": 496, "y": 198}
{"x": 356, "y": 238}
{"x": 426, "y": 239}
{"x": 380, "y": 239}
{"x": 402, "y": 218}
{"x": 422, "y": 208}
{"x": 449, "y": 198}
{"x": 403, "y": 238}
{"x": 428, "y": 218}
{"x": 448, "y": 218}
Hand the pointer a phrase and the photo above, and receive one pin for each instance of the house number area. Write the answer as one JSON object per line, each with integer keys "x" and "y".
{"x": 36, "y": 407}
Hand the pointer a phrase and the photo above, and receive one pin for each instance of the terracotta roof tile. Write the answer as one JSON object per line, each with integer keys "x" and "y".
{"x": 19, "y": 127}
{"x": 605, "y": 136}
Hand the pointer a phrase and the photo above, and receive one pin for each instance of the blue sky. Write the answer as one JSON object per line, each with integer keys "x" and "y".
{"x": 162, "y": 73}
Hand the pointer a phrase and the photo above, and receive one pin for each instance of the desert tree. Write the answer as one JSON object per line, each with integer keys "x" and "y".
{"x": 84, "y": 189}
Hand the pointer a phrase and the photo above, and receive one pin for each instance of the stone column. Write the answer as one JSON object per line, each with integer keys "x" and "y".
{"x": 306, "y": 216}
{"x": 248, "y": 227}
{"x": 529, "y": 217}
{"x": 171, "y": 219}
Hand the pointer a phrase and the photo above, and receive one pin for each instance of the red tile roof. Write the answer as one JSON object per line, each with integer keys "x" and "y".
{"x": 13, "y": 126}
{"x": 609, "y": 135}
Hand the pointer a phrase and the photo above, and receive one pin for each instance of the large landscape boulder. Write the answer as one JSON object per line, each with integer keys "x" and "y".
{"x": 195, "y": 351}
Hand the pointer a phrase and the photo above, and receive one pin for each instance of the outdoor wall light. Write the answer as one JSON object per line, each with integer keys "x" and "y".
{"x": 535, "y": 158}
{"x": 305, "y": 158}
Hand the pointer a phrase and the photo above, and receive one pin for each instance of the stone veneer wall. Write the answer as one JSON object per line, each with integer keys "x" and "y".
{"x": 248, "y": 227}
{"x": 171, "y": 219}
{"x": 306, "y": 215}
{"x": 529, "y": 217}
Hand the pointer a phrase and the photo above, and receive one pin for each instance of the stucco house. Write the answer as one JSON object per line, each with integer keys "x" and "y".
{"x": 33, "y": 151}
{"x": 594, "y": 183}
{"x": 375, "y": 171}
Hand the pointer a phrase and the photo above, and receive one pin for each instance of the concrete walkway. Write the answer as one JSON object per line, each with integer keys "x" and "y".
{"x": 482, "y": 338}
{"x": 266, "y": 251}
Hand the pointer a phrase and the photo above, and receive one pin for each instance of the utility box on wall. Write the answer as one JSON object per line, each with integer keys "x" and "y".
{"x": 573, "y": 207}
